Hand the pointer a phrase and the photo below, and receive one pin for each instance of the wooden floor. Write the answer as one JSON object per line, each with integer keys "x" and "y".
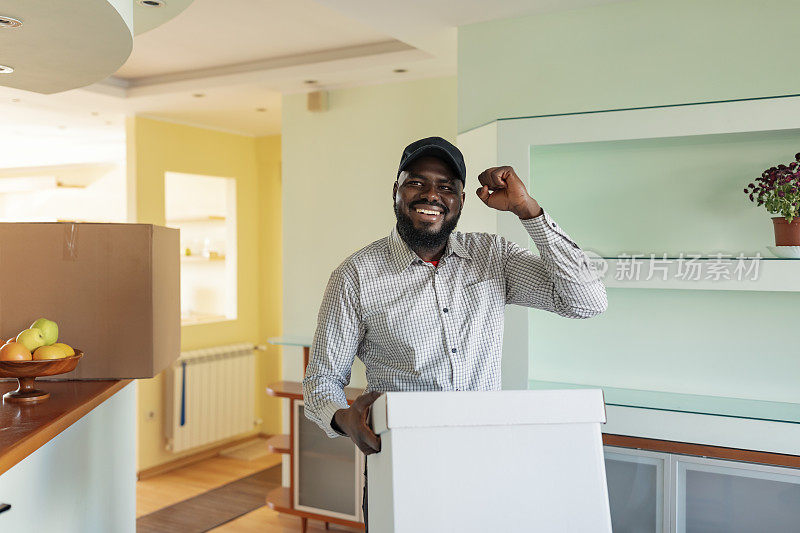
{"x": 188, "y": 482}
{"x": 170, "y": 488}
{"x": 266, "y": 520}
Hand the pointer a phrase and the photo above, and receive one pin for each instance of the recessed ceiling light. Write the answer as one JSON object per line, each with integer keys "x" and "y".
{"x": 4, "y": 69}
{"x": 199, "y": 95}
{"x": 261, "y": 109}
{"x": 95, "y": 113}
{"x": 151, "y": 3}
{"x": 9, "y": 22}
{"x": 400, "y": 70}
{"x": 310, "y": 82}
{"x": 62, "y": 127}
{"x": 15, "y": 100}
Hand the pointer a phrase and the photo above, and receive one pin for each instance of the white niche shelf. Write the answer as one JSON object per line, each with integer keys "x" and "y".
{"x": 709, "y": 273}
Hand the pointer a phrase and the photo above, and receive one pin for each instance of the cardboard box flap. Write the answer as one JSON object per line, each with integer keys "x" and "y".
{"x": 487, "y": 408}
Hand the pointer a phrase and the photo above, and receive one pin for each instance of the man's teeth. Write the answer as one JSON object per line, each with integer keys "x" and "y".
{"x": 427, "y": 212}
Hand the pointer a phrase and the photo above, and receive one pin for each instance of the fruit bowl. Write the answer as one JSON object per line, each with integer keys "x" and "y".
{"x": 27, "y": 371}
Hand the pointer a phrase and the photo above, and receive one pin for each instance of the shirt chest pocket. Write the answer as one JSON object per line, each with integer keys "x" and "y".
{"x": 482, "y": 309}
{"x": 486, "y": 293}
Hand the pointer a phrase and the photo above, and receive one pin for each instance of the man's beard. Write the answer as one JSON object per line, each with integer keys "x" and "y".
{"x": 423, "y": 239}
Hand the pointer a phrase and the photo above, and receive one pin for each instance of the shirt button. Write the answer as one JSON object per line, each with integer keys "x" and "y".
{"x": 445, "y": 309}
{"x": 554, "y": 224}
{"x": 453, "y": 350}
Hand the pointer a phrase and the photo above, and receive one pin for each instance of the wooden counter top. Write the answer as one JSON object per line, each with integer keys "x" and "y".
{"x": 26, "y": 428}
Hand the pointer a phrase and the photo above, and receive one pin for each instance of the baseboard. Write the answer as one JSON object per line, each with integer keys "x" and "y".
{"x": 198, "y": 456}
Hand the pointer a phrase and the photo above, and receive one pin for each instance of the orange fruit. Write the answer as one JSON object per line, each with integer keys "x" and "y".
{"x": 68, "y": 350}
{"x": 14, "y": 351}
{"x": 49, "y": 352}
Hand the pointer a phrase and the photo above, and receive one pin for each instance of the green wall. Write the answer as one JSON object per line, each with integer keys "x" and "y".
{"x": 670, "y": 195}
{"x": 741, "y": 344}
{"x": 662, "y": 195}
{"x": 627, "y": 54}
{"x": 667, "y": 195}
{"x": 339, "y": 166}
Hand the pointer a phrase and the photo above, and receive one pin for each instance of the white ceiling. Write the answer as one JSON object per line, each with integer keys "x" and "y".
{"x": 243, "y": 54}
{"x": 214, "y": 34}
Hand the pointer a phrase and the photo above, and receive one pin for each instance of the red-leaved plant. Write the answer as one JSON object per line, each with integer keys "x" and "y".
{"x": 778, "y": 190}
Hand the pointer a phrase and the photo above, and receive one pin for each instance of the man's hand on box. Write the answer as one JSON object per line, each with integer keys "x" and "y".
{"x": 354, "y": 422}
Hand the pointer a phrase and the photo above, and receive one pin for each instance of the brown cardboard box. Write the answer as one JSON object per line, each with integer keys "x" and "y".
{"x": 113, "y": 289}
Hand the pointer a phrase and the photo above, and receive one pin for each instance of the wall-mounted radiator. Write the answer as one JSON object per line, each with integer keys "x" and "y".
{"x": 210, "y": 396}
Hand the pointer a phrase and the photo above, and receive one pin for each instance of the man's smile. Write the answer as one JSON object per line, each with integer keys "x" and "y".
{"x": 427, "y": 213}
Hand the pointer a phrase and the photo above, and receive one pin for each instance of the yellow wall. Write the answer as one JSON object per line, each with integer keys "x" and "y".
{"x": 270, "y": 249}
{"x": 156, "y": 147}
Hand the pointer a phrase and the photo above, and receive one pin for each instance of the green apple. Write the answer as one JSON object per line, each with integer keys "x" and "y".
{"x": 31, "y": 338}
{"x": 49, "y": 330}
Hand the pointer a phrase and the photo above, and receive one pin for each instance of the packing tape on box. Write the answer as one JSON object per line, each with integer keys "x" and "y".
{"x": 70, "y": 241}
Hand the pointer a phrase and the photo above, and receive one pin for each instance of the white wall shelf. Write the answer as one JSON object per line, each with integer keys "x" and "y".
{"x": 207, "y": 220}
{"x": 202, "y": 259}
{"x": 650, "y": 271}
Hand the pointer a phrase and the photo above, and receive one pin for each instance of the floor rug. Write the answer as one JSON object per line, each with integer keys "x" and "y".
{"x": 213, "y": 508}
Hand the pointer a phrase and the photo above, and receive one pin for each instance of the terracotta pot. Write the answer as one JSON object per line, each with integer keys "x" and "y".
{"x": 786, "y": 234}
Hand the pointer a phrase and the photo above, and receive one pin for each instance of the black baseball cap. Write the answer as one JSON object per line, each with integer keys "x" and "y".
{"x": 436, "y": 147}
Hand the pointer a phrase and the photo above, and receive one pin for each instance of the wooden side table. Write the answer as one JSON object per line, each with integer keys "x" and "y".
{"x": 281, "y": 499}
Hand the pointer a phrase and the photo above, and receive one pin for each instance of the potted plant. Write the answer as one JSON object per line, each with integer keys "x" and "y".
{"x": 778, "y": 190}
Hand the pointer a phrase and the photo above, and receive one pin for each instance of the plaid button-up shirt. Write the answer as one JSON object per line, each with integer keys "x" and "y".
{"x": 418, "y": 327}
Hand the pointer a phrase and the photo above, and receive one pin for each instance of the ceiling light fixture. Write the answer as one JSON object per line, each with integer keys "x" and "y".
{"x": 5, "y": 69}
{"x": 399, "y": 70}
{"x": 198, "y": 95}
{"x": 9, "y": 22}
{"x": 151, "y": 3}
{"x": 261, "y": 109}
{"x": 310, "y": 82}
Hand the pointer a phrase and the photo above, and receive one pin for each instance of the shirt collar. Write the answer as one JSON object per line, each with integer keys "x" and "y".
{"x": 402, "y": 255}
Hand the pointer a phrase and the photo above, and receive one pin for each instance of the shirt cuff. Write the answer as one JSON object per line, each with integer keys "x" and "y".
{"x": 544, "y": 231}
{"x": 326, "y": 415}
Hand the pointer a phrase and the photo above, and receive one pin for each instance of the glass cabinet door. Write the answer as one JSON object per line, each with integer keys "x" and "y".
{"x": 328, "y": 473}
{"x": 731, "y": 497}
{"x": 636, "y": 492}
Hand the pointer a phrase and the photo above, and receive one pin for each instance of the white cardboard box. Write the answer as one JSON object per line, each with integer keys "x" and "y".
{"x": 488, "y": 461}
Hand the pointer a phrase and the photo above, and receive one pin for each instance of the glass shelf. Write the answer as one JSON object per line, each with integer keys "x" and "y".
{"x": 657, "y": 257}
{"x": 290, "y": 340}
{"x": 687, "y": 403}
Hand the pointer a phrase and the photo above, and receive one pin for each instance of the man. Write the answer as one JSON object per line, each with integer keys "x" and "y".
{"x": 423, "y": 307}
